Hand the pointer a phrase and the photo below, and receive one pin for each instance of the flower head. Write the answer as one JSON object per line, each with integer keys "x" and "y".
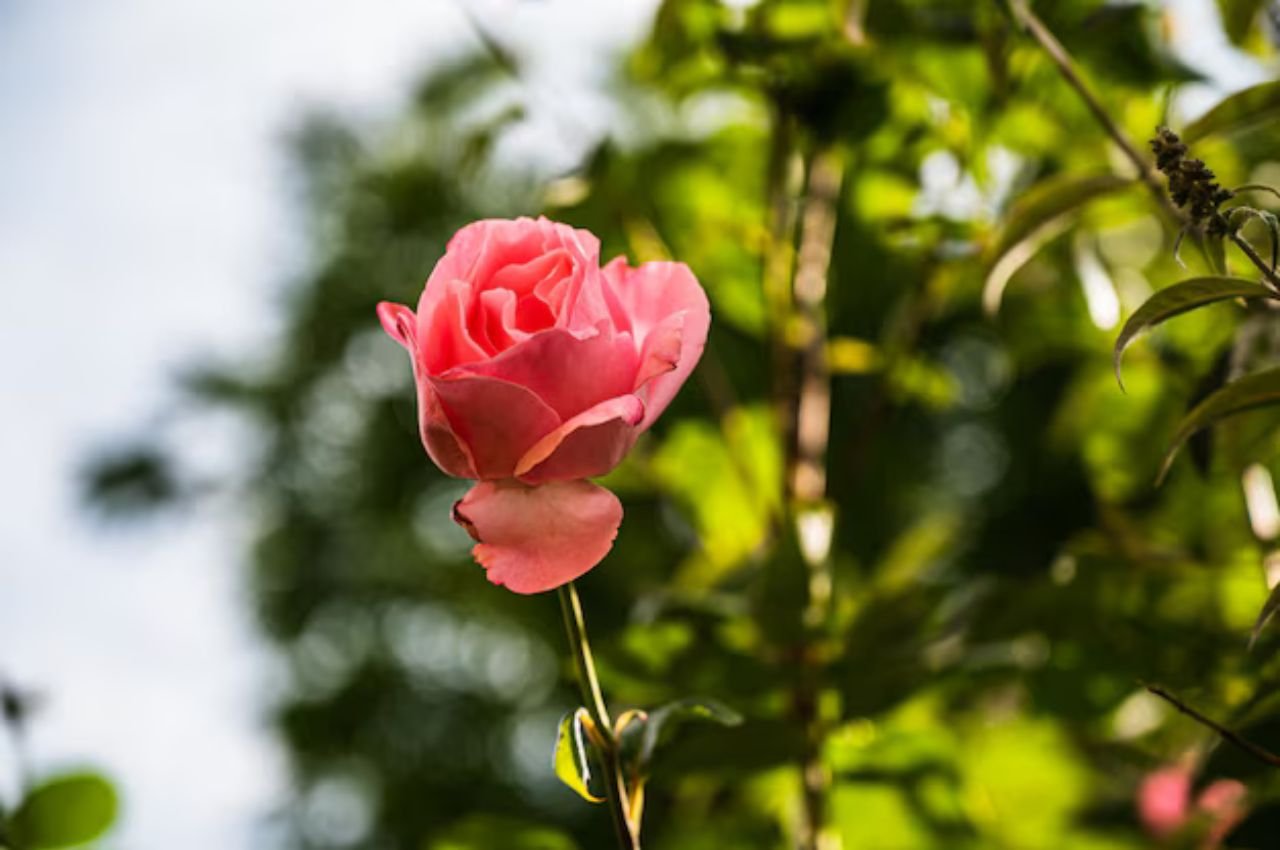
{"x": 537, "y": 369}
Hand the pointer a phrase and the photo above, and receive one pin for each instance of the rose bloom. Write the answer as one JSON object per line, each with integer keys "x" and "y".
{"x": 1166, "y": 810}
{"x": 537, "y": 369}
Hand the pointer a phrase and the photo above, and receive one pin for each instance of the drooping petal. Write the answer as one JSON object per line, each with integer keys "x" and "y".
{"x": 496, "y": 420}
{"x": 570, "y": 373}
{"x": 589, "y": 444}
{"x": 649, "y": 297}
{"x": 533, "y": 539}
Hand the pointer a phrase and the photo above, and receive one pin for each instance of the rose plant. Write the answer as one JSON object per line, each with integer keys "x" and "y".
{"x": 536, "y": 369}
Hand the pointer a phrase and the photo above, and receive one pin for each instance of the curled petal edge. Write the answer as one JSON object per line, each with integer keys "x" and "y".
{"x": 589, "y": 444}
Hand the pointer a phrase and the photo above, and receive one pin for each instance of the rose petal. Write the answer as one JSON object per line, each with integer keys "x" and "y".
{"x": 589, "y": 444}
{"x": 498, "y": 320}
{"x": 399, "y": 322}
{"x": 445, "y": 339}
{"x": 438, "y": 438}
{"x": 1163, "y": 800}
{"x": 661, "y": 353}
{"x": 569, "y": 373}
{"x": 649, "y": 297}
{"x": 533, "y": 539}
{"x": 496, "y": 420}
{"x": 443, "y": 446}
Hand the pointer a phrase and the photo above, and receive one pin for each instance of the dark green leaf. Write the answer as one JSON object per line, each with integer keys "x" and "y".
{"x": 1178, "y": 299}
{"x": 663, "y": 722}
{"x": 571, "y": 758}
{"x": 1240, "y": 110}
{"x": 64, "y": 812}
{"x": 1251, "y": 391}
{"x": 1037, "y": 216}
{"x": 1238, "y": 17}
{"x": 1269, "y": 609}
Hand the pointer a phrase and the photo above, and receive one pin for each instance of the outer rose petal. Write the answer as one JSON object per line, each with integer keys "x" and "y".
{"x": 570, "y": 373}
{"x": 589, "y": 444}
{"x": 648, "y": 298}
{"x": 400, "y": 323}
{"x": 441, "y": 444}
{"x": 532, "y": 539}
{"x": 449, "y": 453}
{"x": 496, "y": 420}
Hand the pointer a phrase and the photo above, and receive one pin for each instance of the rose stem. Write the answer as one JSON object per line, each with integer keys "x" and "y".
{"x": 589, "y": 683}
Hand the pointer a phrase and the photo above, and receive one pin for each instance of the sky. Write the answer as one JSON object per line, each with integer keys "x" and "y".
{"x": 145, "y": 223}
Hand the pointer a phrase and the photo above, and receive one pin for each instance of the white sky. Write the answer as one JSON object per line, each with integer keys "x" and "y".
{"x": 143, "y": 220}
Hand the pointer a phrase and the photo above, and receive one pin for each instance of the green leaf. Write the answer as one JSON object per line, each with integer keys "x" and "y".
{"x": 1269, "y": 609}
{"x": 64, "y": 812}
{"x": 1251, "y": 391}
{"x": 1040, "y": 214}
{"x": 1181, "y": 298}
{"x": 1240, "y": 110}
{"x": 1238, "y": 17}
{"x": 571, "y": 758}
{"x": 662, "y": 722}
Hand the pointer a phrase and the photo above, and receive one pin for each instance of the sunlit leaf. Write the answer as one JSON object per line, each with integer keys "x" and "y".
{"x": 1251, "y": 391}
{"x": 1042, "y": 213}
{"x": 1025, "y": 766}
{"x": 1178, "y": 299}
{"x": 1236, "y": 112}
{"x": 65, "y": 812}
{"x": 571, "y": 758}
{"x": 1269, "y": 609}
{"x": 728, "y": 479}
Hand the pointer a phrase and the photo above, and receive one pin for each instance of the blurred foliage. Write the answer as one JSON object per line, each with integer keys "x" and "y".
{"x": 62, "y": 810}
{"x": 1003, "y": 574}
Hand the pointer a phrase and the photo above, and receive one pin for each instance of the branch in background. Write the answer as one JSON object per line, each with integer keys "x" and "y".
{"x": 1265, "y": 756}
{"x": 807, "y": 472}
{"x": 1146, "y": 173}
{"x": 1194, "y": 188}
{"x": 1269, "y": 273}
{"x": 813, "y": 262}
{"x": 1066, "y": 67}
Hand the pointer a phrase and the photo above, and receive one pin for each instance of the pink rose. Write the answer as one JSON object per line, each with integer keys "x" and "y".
{"x": 1165, "y": 808}
{"x": 537, "y": 369}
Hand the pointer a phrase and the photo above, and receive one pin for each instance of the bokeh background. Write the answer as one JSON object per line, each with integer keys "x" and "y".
{"x": 228, "y": 580}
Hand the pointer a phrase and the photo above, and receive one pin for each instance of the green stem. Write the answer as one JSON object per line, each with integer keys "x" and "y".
{"x": 628, "y": 833}
{"x": 1268, "y": 273}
